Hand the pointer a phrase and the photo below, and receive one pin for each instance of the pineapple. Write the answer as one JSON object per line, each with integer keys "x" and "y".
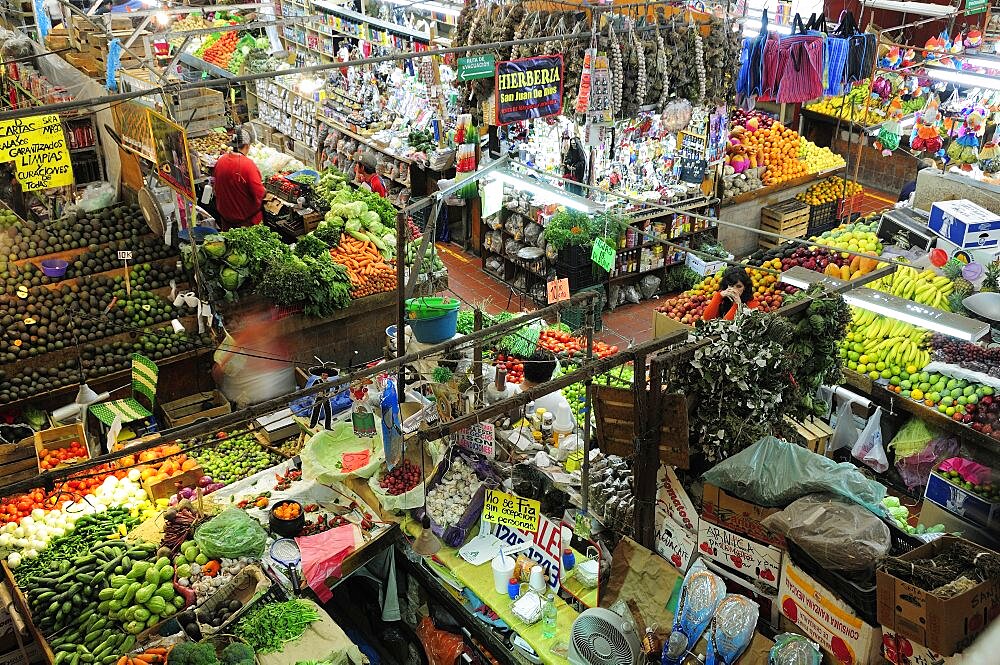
{"x": 962, "y": 288}
{"x": 991, "y": 282}
{"x": 953, "y": 268}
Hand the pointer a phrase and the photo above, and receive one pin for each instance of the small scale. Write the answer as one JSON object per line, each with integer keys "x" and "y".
{"x": 286, "y": 552}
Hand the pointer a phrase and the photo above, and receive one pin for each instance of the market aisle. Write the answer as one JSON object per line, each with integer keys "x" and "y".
{"x": 467, "y": 280}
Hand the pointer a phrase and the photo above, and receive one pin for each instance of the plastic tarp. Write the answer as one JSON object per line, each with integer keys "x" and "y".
{"x": 773, "y": 472}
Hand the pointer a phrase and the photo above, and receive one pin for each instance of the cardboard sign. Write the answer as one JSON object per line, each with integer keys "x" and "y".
{"x": 825, "y": 619}
{"x": 900, "y": 651}
{"x": 512, "y": 510}
{"x": 546, "y": 546}
{"x": 603, "y": 254}
{"x": 756, "y": 561}
{"x": 529, "y": 88}
{"x": 173, "y": 161}
{"x": 479, "y": 438}
{"x": 674, "y": 501}
{"x": 673, "y": 542}
{"x": 557, "y": 290}
{"x": 37, "y": 146}
{"x": 124, "y": 255}
{"x": 476, "y": 67}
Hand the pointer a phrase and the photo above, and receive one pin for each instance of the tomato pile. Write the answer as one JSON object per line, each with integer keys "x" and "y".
{"x": 56, "y": 457}
{"x": 564, "y": 344}
{"x": 513, "y": 366}
{"x": 400, "y": 480}
{"x": 13, "y": 508}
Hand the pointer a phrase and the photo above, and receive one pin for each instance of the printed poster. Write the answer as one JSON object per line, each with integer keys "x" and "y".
{"x": 173, "y": 161}
{"x": 529, "y": 88}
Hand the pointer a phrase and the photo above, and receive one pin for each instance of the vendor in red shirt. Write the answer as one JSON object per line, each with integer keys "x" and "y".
{"x": 366, "y": 175}
{"x": 239, "y": 190}
{"x": 735, "y": 292}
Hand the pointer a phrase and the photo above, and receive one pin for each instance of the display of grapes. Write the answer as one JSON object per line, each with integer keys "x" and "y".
{"x": 26, "y": 239}
{"x": 97, "y": 361}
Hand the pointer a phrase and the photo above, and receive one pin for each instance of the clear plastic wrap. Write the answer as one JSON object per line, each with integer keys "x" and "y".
{"x": 773, "y": 472}
{"x": 821, "y": 523}
{"x": 231, "y": 534}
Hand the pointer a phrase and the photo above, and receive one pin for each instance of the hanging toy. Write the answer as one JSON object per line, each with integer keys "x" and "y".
{"x": 973, "y": 38}
{"x": 989, "y": 155}
{"x": 909, "y": 57}
{"x": 892, "y": 58}
{"x": 925, "y": 137}
{"x": 964, "y": 150}
{"x": 881, "y": 89}
{"x": 890, "y": 132}
{"x": 935, "y": 46}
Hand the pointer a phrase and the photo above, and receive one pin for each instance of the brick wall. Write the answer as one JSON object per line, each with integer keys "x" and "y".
{"x": 887, "y": 174}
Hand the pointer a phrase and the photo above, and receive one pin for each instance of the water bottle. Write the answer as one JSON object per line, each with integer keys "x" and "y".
{"x": 549, "y": 616}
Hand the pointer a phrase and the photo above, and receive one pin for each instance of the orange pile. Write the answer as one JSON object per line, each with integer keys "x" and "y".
{"x": 287, "y": 511}
{"x": 171, "y": 462}
{"x": 777, "y": 148}
{"x": 368, "y": 271}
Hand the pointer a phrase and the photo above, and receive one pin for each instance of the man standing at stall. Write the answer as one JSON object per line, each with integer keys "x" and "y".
{"x": 239, "y": 190}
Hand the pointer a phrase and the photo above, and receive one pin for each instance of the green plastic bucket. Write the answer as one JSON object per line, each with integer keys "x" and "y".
{"x": 430, "y": 306}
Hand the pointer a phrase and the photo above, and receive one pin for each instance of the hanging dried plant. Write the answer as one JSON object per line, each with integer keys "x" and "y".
{"x": 512, "y": 20}
{"x": 617, "y": 64}
{"x": 661, "y": 68}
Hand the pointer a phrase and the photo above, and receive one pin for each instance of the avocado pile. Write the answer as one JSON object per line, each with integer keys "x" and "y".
{"x": 75, "y": 230}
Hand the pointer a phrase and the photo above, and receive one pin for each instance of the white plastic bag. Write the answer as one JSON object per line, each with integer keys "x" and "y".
{"x": 869, "y": 448}
{"x": 845, "y": 432}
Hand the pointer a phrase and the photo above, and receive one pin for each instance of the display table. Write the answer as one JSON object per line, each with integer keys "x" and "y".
{"x": 323, "y": 640}
{"x": 479, "y": 580}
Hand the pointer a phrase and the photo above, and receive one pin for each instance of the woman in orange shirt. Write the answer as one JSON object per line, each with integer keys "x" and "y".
{"x": 735, "y": 291}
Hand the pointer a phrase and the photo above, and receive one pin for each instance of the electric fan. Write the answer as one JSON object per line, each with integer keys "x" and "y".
{"x": 603, "y": 637}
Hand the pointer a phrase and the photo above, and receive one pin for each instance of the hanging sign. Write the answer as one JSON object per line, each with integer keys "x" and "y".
{"x": 599, "y": 106}
{"x": 974, "y": 7}
{"x": 583, "y": 93}
{"x": 511, "y": 510}
{"x": 173, "y": 161}
{"x": 132, "y": 124}
{"x": 37, "y": 146}
{"x": 529, "y": 88}
{"x": 476, "y": 67}
{"x": 479, "y": 438}
{"x": 557, "y": 290}
{"x": 603, "y": 254}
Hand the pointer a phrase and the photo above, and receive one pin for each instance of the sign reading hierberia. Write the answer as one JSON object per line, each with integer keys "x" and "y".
{"x": 37, "y": 146}
{"x": 529, "y": 88}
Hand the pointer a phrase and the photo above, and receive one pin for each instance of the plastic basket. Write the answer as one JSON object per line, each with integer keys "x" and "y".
{"x": 435, "y": 329}
{"x": 575, "y": 317}
{"x": 820, "y": 216}
{"x": 580, "y": 277}
{"x": 575, "y": 256}
{"x": 860, "y": 595}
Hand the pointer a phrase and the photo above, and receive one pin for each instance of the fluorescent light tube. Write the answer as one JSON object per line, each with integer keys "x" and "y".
{"x": 963, "y": 78}
{"x": 803, "y": 278}
{"x": 893, "y": 307}
{"x": 548, "y": 194}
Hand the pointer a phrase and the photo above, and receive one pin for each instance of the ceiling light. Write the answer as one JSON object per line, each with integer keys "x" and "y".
{"x": 890, "y": 306}
{"x": 963, "y": 78}
{"x": 547, "y": 193}
{"x": 803, "y": 278}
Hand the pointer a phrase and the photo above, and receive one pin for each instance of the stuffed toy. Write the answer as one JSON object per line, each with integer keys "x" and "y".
{"x": 925, "y": 136}
{"x": 889, "y": 133}
{"x": 964, "y": 150}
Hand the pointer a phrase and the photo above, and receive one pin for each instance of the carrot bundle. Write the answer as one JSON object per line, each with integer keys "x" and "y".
{"x": 368, "y": 271}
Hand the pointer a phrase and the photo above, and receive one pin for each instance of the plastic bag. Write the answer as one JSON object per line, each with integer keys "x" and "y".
{"x": 231, "y": 534}
{"x": 912, "y": 438}
{"x": 821, "y": 523}
{"x": 648, "y": 286}
{"x": 441, "y": 647}
{"x": 845, "y": 432}
{"x": 915, "y": 469}
{"x": 632, "y": 294}
{"x": 773, "y": 472}
{"x": 97, "y": 196}
{"x": 869, "y": 449}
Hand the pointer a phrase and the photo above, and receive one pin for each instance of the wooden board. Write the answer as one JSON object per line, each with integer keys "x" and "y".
{"x": 674, "y": 431}
{"x": 811, "y": 432}
{"x": 614, "y": 410}
{"x": 18, "y": 461}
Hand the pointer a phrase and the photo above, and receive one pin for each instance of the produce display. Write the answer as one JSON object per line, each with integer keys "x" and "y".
{"x": 984, "y": 490}
{"x": 851, "y": 107}
{"x": 54, "y": 458}
{"x": 403, "y": 478}
{"x": 885, "y": 348}
{"x": 448, "y": 500}
{"x": 829, "y": 190}
{"x": 900, "y": 515}
{"x": 576, "y": 393}
{"x": 368, "y": 271}
{"x": 159, "y": 463}
{"x": 925, "y": 287}
{"x": 236, "y": 456}
{"x": 74, "y": 230}
{"x": 689, "y": 306}
{"x": 267, "y": 627}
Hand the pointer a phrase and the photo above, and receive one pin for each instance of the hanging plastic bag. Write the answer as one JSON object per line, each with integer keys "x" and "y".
{"x": 845, "y": 432}
{"x": 869, "y": 448}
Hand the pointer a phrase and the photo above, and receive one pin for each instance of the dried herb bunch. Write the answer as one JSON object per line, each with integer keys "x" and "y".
{"x": 955, "y": 569}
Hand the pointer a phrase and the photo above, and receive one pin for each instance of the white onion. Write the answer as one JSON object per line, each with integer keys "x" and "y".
{"x": 13, "y": 560}
{"x": 38, "y": 513}
{"x": 27, "y": 521}
{"x": 19, "y": 531}
{"x": 30, "y": 554}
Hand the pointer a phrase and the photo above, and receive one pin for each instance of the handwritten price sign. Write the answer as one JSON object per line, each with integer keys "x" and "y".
{"x": 479, "y": 438}
{"x": 603, "y": 254}
{"x": 558, "y": 290}
{"x": 511, "y": 510}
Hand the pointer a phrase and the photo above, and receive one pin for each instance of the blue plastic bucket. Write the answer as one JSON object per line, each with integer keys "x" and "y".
{"x": 435, "y": 329}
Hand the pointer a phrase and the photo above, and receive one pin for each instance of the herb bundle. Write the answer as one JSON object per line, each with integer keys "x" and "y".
{"x": 267, "y": 628}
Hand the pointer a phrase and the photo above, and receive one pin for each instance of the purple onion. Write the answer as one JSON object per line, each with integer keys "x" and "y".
{"x": 215, "y": 486}
{"x": 205, "y": 481}
{"x": 187, "y": 493}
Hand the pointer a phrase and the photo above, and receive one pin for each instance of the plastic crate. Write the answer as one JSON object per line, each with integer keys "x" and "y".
{"x": 850, "y": 204}
{"x": 580, "y": 277}
{"x": 820, "y": 216}
{"x": 575, "y": 317}
{"x": 575, "y": 256}
{"x": 860, "y": 596}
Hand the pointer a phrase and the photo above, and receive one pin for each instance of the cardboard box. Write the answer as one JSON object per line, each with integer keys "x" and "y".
{"x": 16, "y": 657}
{"x": 756, "y": 561}
{"x": 703, "y": 267}
{"x": 944, "y": 625}
{"x": 898, "y": 650}
{"x": 739, "y": 516}
{"x": 966, "y": 224}
{"x": 962, "y": 502}
{"x": 199, "y": 406}
{"x": 830, "y": 622}
{"x": 663, "y": 325}
{"x": 163, "y": 489}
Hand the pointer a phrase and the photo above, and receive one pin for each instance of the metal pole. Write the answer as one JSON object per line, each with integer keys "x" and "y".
{"x": 401, "y": 303}
{"x": 477, "y": 353}
{"x": 587, "y": 411}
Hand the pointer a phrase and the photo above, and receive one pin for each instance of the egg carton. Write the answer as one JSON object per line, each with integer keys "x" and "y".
{"x": 456, "y": 534}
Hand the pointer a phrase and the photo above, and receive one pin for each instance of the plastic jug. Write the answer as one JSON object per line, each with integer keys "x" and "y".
{"x": 503, "y": 569}
{"x": 563, "y": 424}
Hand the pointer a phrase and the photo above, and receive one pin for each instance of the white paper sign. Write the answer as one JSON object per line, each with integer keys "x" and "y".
{"x": 674, "y": 501}
{"x": 674, "y": 543}
{"x": 479, "y": 438}
{"x": 492, "y": 195}
{"x": 546, "y": 546}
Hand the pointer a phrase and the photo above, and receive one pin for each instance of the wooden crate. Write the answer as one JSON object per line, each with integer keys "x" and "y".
{"x": 789, "y": 218}
{"x": 195, "y": 98}
{"x": 59, "y": 437}
{"x": 615, "y": 418}
{"x": 18, "y": 461}
{"x": 162, "y": 489}
{"x": 196, "y": 407}
{"x": 812, "y": 432}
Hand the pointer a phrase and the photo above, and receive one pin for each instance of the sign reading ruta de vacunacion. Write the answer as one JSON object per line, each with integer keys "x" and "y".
{"x": 529, "y": 88}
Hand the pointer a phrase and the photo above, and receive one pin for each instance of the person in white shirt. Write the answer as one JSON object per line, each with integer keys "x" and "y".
{"x": 537, "y": 370}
